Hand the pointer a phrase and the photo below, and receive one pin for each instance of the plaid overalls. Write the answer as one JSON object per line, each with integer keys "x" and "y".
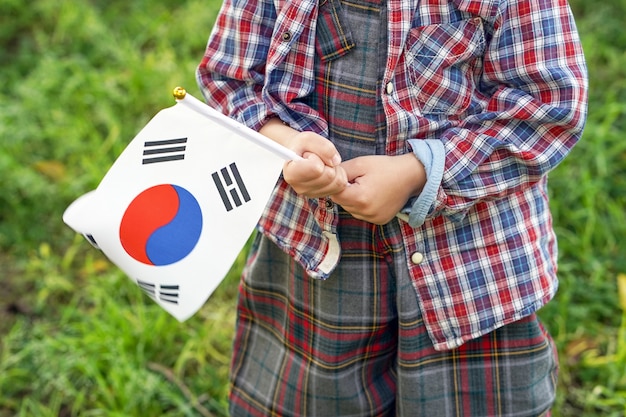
{"x": 355, "y": 344}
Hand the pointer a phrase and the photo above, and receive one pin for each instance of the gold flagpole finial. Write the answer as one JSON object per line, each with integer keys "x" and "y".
{"x": 179, "y": 93}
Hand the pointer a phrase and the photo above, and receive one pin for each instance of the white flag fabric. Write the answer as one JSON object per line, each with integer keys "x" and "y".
{"x": 178, "y": 205}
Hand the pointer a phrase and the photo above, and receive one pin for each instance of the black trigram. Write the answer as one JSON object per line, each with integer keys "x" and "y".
{"x": 167, "y": 293}
{"x": 91, "y": 240}
{"x": 231, "y": 187}
{"x": 164, "y": 150}
{"x": 149, "y": 289}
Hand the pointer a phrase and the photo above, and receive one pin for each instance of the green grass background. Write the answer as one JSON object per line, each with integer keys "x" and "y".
{"x": 77, "y": 338}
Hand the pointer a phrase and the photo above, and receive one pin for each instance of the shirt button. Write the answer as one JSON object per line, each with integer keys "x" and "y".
{"x": 417, "y": 258}
{"x": 286, "y": 36}
{"x": 329, "y": 203}
{"x": 389, "y": 87}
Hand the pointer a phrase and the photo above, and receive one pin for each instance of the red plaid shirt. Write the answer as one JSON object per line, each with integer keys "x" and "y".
{"x": 497, "y": 92}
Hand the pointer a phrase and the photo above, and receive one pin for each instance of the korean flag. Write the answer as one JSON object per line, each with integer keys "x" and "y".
{"x": 179, "y": 203}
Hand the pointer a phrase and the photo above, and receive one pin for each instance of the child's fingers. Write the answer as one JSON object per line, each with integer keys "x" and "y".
{"x": 313, "y": 178}
{"x": 319, "y": 145}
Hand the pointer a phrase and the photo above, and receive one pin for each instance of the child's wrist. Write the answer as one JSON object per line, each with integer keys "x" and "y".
{"x": 278, "y": 131}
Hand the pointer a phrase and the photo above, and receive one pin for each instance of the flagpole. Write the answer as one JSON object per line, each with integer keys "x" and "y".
{"x": 181, "y": 96}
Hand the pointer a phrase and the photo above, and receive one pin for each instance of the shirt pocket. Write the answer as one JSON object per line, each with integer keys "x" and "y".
{"x": 443, "y": 63}
{"x": 333, "y": 37}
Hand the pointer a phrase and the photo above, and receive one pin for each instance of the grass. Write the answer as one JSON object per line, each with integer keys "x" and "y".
{"x": 78, "y": 339}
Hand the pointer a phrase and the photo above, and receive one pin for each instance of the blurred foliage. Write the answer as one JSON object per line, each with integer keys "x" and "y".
{"x": 81, "y": 79}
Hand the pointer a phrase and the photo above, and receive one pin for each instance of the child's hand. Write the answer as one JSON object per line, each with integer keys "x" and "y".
{"x": 319, "y": 173}
{"x": 380, "y": 186}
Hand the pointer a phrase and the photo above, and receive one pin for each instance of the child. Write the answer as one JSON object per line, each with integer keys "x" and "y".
{"x": 400, "y": 264}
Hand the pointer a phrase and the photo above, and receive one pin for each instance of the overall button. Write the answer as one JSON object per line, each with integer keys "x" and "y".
{"x": 417, "y": 258}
